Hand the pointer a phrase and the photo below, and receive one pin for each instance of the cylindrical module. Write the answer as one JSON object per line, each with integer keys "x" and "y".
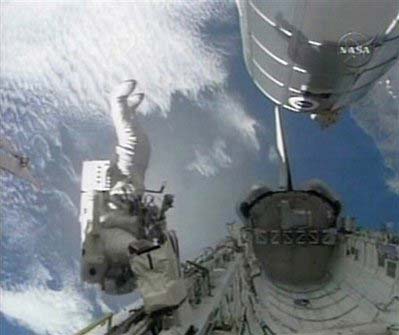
{"x": 318, "y": 56}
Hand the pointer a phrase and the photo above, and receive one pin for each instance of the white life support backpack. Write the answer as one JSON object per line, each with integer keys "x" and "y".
{"x": 158, "y": 276}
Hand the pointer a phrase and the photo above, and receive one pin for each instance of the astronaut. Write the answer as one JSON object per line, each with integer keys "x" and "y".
{"x": 126, "y": 244}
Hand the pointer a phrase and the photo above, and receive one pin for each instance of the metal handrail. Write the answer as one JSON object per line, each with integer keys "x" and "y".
{"x": 196, "y": 277}
{"x": 107, "y": 318}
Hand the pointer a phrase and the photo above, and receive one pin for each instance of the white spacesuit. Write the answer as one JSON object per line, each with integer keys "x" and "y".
{"x": 133, "y": 149}
{"x": 125, "y": 241}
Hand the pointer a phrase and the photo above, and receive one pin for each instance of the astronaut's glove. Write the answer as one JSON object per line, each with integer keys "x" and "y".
{"x": 167, "y": 203}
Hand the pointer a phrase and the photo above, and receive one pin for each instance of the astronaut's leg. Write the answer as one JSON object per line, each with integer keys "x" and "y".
{"x": 133, "y": 148}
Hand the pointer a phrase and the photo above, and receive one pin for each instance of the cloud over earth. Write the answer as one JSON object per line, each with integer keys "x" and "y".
{"x": 58, "y": 62}
{"x": 378, "y": 115}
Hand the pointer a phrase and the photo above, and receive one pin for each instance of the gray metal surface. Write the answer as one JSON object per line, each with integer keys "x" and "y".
{"x": 318, "y": 56}
{"x": 357, "y": 294}
{"x": 360, "y": 295}
{"x": 291, "y": 262}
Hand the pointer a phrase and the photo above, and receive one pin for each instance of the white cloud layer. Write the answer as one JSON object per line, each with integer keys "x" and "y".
{"x": 46, "y": 311}
{"x": 67, "y": 56}
{"x": 209, "y": 163}
{"x": 85, "y": 49}
{"x": 273, "y": 155}
{"x": 378, "y": 115}
{"x": 229, "y": 110}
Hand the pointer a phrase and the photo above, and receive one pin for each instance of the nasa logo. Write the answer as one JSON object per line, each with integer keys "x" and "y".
{"x": 355, "y": 49}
